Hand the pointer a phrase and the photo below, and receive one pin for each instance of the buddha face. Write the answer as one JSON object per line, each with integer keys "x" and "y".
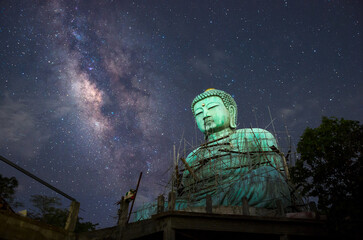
{"x": 211, "y": 115}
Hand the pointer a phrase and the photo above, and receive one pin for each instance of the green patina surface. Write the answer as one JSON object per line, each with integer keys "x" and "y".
{"x": 239, "y": 165}
{"x": 231, "y": 163}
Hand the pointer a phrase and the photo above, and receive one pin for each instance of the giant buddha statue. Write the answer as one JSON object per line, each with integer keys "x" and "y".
{"x": 232, "y": 163}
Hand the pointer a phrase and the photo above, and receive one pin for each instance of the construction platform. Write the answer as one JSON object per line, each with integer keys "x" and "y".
{"x": 188, "y": 225}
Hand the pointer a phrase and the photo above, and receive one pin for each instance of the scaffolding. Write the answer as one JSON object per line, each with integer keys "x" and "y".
{"x": 245, "y": 163}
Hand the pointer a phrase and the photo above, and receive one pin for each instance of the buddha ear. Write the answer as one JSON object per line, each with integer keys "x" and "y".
{"x": 232, "y": 115}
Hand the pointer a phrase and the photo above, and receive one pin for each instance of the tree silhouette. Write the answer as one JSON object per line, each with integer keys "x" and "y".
{"x": 48, "y": 211}
{"x": 7, "y": 190}
{"x": 330, "y": 169}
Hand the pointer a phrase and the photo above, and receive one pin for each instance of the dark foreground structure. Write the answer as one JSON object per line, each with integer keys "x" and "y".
{"x": 187, "y": 225}
{"x": 172, "y": 225}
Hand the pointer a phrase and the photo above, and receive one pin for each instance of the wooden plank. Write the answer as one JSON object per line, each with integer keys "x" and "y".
{"x": 72, "y": 216}
{"x": 132, "y": 205}
{"x": 189, "y": 169}
{"x": 123, "y": 212}
{"x": 161, "y": 202}
{"x": 171, "y": 201}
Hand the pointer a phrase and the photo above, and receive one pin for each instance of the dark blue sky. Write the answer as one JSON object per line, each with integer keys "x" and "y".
{"x": 93, "y": 92}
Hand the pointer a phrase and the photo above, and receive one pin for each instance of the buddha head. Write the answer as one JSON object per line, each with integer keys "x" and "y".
{"x": 214, "y": 111}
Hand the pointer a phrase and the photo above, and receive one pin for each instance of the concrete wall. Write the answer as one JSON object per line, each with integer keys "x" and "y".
{"x": 15, "y": 227}
{"x": 101, "y": 234}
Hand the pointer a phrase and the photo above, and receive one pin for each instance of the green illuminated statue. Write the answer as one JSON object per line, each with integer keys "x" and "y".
{"x": 232, "y": 163}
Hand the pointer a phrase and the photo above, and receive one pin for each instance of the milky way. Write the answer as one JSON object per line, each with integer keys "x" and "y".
{"x": 94, "y": 92}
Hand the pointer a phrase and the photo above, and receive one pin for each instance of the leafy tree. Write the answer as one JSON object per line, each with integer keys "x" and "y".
{"x": 48, "y": 212}
{"x": 330, "y": 168}
{"x": 7, "y": 190}
{"x": 44, "y": 204}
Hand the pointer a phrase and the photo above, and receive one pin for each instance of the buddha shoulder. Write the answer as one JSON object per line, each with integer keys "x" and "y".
{"x": 192, "y": 156}
{"x": 254, "y": 132}
{"x": 256, "y": 136}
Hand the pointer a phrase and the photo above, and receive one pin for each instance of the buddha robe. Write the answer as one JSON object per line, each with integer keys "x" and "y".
{"x": 241, "y": 164}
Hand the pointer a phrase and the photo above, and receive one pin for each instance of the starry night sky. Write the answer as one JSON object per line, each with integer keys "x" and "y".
{"x": 94, "y": 92}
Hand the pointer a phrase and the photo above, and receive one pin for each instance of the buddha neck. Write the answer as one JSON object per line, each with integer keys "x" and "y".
{"x": 220, "y": 134}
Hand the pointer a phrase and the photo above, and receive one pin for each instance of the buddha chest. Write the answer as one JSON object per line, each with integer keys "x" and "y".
{"x": 222, "y": 162}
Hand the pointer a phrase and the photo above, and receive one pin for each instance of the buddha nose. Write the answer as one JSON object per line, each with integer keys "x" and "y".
{"x": 205, "y": 114}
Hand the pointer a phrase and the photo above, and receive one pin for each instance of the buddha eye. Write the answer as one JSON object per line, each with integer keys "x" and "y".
{"x": 197, "y": 113}
{"x": 212, "y": 106}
